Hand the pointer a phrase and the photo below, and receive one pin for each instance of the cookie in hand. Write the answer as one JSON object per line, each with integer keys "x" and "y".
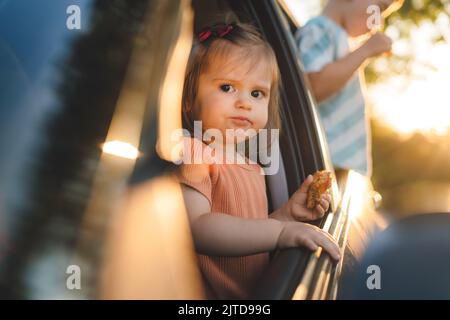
{"x": 321, "y": 183}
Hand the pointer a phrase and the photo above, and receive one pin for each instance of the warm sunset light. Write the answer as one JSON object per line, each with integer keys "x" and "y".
{"x": 408, "y": 104}
{"x": 145, "y": 262}
{"x": 121, "y": 149}
{"x": 418, "y": 103}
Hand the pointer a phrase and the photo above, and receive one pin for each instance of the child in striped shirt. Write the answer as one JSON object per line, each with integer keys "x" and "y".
{"x": 332, "y": 72}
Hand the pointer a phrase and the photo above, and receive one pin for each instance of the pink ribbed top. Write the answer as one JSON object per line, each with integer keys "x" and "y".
{"x": 238, "y": 190}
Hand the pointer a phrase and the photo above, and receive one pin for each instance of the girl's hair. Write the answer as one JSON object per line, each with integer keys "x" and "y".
{"x": 217, "y": 41}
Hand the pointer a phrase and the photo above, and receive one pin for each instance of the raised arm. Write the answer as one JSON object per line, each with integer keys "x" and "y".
{"x": 335, "y": 75}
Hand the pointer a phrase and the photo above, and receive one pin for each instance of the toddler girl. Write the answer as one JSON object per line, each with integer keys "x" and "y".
{"x": 232, "y": 84}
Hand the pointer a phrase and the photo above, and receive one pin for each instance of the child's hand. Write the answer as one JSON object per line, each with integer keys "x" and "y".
{"x": 295, "y": 209}
{"x": 295, "y": 234}
{"x": 377, "y": 44}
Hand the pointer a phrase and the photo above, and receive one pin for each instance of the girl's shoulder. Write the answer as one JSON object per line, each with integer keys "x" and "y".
{"x": 195, "y": 158}
{"x": 195, "y": 151}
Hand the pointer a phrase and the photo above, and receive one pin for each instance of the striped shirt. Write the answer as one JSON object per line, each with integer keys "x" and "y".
{"x": 344, "y": 117}
{"x": 238, "y": 190}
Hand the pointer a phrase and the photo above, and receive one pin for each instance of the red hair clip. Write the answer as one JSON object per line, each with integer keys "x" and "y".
{"x": 204, "y": 35}
{"x": 218, "y": 30}
{"x": 222, "y": 31}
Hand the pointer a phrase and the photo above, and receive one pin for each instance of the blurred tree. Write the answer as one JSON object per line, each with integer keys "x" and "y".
{"x": 400, "y": 160}
{"x": 415, "y": 11}
{"x": 412, "y": 14}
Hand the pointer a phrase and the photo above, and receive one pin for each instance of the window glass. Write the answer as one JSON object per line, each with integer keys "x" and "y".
{"x": 62, "y": 64}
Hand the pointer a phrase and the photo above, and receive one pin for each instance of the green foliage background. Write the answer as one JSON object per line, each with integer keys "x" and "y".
{"x": 412, "y": 173}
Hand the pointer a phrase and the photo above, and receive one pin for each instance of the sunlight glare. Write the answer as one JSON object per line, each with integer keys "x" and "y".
{"x": 424, "y": 104}
{"x": 121, "y": 149}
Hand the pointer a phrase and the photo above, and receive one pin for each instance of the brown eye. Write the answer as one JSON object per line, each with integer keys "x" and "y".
{"x": 257, "y": 94}
{"x": 226, "y": 88}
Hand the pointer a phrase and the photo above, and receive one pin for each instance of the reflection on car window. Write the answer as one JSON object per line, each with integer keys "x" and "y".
{"x": 28, "y": 56}
{"x": 59, "y": 89}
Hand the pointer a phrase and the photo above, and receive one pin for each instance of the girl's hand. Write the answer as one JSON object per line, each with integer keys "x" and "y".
{"x": 295, "y": 234}
{"x": 295, "y": 209}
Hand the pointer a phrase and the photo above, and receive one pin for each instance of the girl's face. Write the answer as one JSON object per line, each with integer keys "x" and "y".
{"x": 234, "y": 94}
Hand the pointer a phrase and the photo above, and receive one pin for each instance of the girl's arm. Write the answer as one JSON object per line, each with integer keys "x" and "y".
{"x": 219, "y": 234}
